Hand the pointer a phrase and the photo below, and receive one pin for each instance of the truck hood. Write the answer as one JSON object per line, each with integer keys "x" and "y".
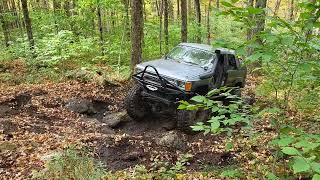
{"x": 173, "y": 69}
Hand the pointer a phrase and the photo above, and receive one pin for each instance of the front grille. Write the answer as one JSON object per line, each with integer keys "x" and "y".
{"x": 152, "y": 78}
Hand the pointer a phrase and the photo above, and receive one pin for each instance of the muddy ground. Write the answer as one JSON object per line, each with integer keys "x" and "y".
{"x": 37, "y": 120}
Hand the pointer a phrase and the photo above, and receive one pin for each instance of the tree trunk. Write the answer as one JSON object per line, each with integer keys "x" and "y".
{"x": 137, "y": 33}
{"x": 127, "y": 18}
{"x": 218, "y": 4}
{"x": 160, "y": 25}
{"x": 291, "y": 10}
{"x": 208, "y": 23}
{"x": 4, "y": 25}
{"x": 250, "y": 29}
{"x": 15, "y": 14}
{"x": 260, "y": 18}
{"x": 178, "y": 9}
{"x": 67, "y": 8}
{"x": 55, "y": 13}
{"x": 166, "y": 24}
{"x": 260, "y": 25}
{"x": 276, "y": 7}
{"x": 170, "y": 9}
{"x": 198, "y": 15}
{"x": 184, "y": 21}
{"x": 144, "y": 11}
{"x": 100, "y": 28}
{"x": 27, "y": 21}
{"x": 189, "y": 8}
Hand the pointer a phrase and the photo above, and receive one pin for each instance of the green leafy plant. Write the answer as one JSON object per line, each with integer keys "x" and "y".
{"x": 224, "y": 115}
{"x": 302, "y": 148}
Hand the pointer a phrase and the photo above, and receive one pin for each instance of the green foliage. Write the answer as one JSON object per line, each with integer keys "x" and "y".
{"x": 225, "y": 116}
{"x": 302, "y": 148}
{"x": 288, "y": 54}
{"x": 71, "y": 164}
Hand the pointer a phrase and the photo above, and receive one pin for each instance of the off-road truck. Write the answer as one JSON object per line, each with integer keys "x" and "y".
{"x": 189, "y": 69}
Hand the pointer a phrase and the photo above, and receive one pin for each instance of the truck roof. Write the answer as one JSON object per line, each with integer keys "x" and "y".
{"x": 208, "y": 48}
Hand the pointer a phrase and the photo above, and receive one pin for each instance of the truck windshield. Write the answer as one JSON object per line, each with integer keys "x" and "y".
{"x": 191, "y": 55}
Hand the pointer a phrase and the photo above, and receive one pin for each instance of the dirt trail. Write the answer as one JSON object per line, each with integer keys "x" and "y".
{"x": 36, "y": 120}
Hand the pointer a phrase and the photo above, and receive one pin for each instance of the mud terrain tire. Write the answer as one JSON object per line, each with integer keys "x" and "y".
{"x": 186, "y": 118}
{"x": 134, "y": 104}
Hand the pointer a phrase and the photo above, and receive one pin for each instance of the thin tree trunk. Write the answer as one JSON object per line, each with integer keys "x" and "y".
{"x": 218, "y": 4}
{"x": 208, "y": 23}
{"x": 184, "y": 21}
{"x": 260, "y": 25}
{"x": 170, "y": 9}
{"x": 144, "y": 11}
{"x": 178, "y": 9}
{"x": 4, "y": 26}
{"x": 291, "y": 10}
{"x": 276, "y": 7}
{"x": 160, "y": 27}
{"x": 189, "y": 7}
{"x": 250, "y": 29}
{"x": 198, "y": 15}
{"x": 55, "y": 12}
{"x": 137, "y": 33}
{"x": 260, "y": 18}
{"x": 67, "y": 7}
{"x": 27, "y": 21}
{"x": 14, "y": 9}
{"x": 100, "y": 28}
{"x": 127, "y": 18}
{"x": 166, "y": 24}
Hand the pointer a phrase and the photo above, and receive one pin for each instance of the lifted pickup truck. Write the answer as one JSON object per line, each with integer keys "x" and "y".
{"x": 188, "y": 70}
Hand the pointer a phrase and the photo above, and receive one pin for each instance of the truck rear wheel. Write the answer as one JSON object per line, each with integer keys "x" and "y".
{"x": 134, "y": 105}
{"x": 186, "y": 118}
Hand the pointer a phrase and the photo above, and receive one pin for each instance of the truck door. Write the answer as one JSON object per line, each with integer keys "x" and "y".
{"x": 235, "y": 75}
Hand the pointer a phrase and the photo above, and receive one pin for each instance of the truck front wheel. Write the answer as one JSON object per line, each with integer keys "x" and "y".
{"x": 134, "y": 105}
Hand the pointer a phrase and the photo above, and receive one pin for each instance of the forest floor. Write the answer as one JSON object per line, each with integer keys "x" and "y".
{"x": 36, "y": 123}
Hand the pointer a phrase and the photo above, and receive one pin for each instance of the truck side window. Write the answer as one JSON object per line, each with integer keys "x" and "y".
{"x": 232, "y": 62}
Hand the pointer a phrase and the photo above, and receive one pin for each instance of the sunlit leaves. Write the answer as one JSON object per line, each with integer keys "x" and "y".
{"x": 300, "y": 165}
{"x": 290, "y": 151}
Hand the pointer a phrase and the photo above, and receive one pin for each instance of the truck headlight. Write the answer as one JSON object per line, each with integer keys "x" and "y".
{"x": 188, "y": 86}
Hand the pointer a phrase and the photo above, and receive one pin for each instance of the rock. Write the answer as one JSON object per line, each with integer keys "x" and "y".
{"x": 106, "y": 130}
{"x": 22, "y": 99}
{"x": 113, "y": 120}
{"x": 171, "y": 139}
{"x": 133, "y": 156}
{"x": 80, "y": 106}
{"x": 7, "y": 126}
